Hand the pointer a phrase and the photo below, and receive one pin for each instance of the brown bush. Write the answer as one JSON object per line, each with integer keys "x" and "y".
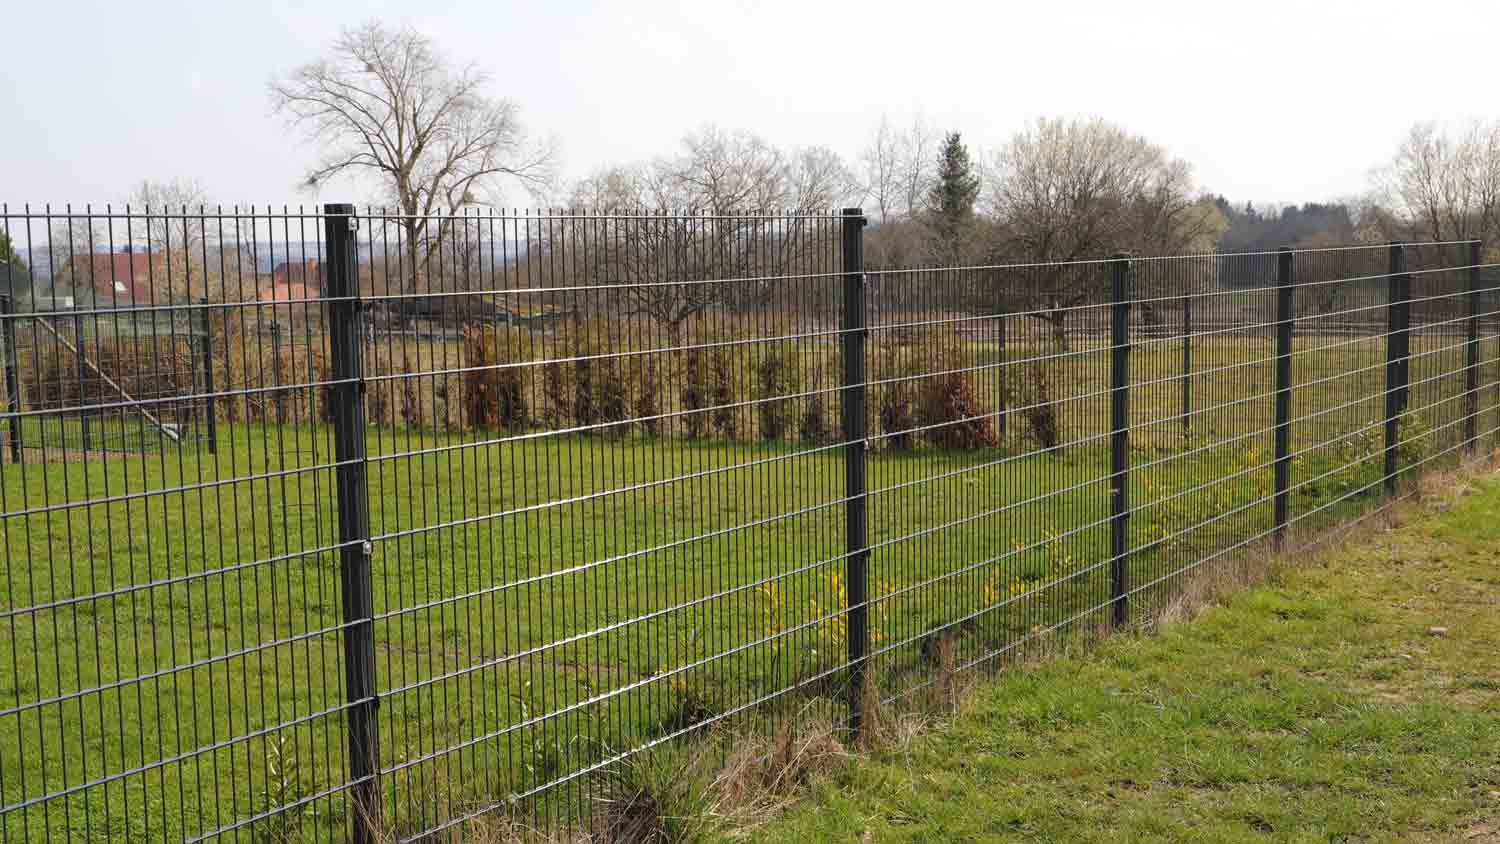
{"x": 812, "y": 427}
{"x": 557, "y": 394}
{"x": 724, "y": 392}
{"x": 694, "y": 393}
{"x": 585, "y": 412}
{"x": 895, "y": 401}
{"x": 1038, "y": 407}
{"x": 948, "y": 403}
{"x": 496, "y": 395}
{"x": 149, "y": 367}
{"x": 647, "y": 404}
{"x": 776, "y": 375}
{"x": 600, "y": 393}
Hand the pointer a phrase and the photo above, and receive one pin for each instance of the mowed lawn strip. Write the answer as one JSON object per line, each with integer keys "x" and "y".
{"x": 1356, "y": 698}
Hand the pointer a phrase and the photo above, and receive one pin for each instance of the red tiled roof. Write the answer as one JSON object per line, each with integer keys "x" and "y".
{"x": 123, "y": 275}
{"x": 309, "y": 273}
{"x": 282, "y": 291}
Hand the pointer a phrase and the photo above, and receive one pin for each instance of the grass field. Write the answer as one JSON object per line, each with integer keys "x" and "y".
{"x": 173, "y": 618}
{"x": 1357, "y": 699}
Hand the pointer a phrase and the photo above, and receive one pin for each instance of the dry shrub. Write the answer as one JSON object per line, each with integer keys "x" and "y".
{"x": 557, "y": 393}
{"x": 776, "y": 375}
{"x": 588, "y": 387}
{"x": 495, "y": 394}
{"x": 812, "y": 427}
{"x": 582, "y": 401}
{"x": 1038, "y": 407}
{"x": 694, "y": 394}
{"x": 600, "y": 391}
{"x": 723, "y": 391}
{"x": 896, "y": 406}
{"x": 443, "y": 390}
{"x": 762, "y": 772}
{"x": 646, "y": 407}
{"x": 949, "y": 685}
{"x": 387, "y": 401}
{"x": 934, "y": 391}
{"x": 948, "y": 403}
{"x": 410, "y": 405}
{"x": 380, "y": 395}
{"x": 253, "y": 366}
{"x": 280, "y": 371}
{"x": 150, "y": 367}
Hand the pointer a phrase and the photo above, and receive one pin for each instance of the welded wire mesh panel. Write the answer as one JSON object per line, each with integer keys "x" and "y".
{"x": 320, "y": 524}
{"x": 1339, "y": 353}
{"x": 989, "y": 407}
{"x": 1202, "y": 382}
{"x": 1434, "y": 428}
{"x": 170, "y": 600}
{"x": 606, "y": 509}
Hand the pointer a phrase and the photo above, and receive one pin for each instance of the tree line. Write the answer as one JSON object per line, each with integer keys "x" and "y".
{"x": 433, "y": 141}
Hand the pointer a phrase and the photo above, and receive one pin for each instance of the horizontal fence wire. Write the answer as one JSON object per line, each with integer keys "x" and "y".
{"x": 331, "y": 523}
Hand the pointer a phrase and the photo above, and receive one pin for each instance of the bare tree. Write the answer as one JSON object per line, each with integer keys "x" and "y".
{"x": 819, "y": 182}
{"x": 172, "y": 223}
{"x": 917, "y": 164}
{"x": 898, "y": 168}
{"x": 389, "y": 104}
{"x": 881, "y": 161}
{"x": 704, "y": 223}
{"x": 724, "y": 172}
{"x": 72, "y": 241}
{"x": 1065, "y": 190}
{"x": 1441, "y": 186}
{"x": 164, "y": 205}
{"x": 1374, "y": 222}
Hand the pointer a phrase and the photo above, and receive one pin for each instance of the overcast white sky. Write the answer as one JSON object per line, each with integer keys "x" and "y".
{"x": 1271, "y": 100}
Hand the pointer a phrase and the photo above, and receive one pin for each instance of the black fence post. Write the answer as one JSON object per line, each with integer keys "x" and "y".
{"x": 855, "y": 424}
{"x": 1397, "y": 350}
{"x": 1471, "y": 352}
{"x": 1119, "y": 443}
{"x": 1283, "y": 436}
{"x": 12, "y": 374}
{"x": 206, "y": 351}
{"x": 345, "y": 329}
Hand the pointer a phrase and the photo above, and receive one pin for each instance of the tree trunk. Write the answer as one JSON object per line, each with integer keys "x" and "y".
{"x": 410, "y": 224}
{"x": 1059, "y": 330}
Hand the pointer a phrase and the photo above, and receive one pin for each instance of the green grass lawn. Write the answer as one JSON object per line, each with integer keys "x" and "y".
{"x": 542, "y": 604}
{"x": 1354, "y": 699}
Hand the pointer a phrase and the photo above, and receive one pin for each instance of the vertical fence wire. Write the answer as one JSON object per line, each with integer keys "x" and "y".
{"x": 348, "y": 522}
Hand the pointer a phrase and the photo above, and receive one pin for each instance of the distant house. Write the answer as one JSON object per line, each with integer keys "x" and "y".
{"x": 307, "y": 273}
{"x": 294, "y": 281}
{"x": 120, "y": 278}
{"x": 293, "y": 286}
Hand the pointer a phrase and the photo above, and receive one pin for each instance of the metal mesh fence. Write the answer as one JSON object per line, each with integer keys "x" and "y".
{"x": 465, "y": 513}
